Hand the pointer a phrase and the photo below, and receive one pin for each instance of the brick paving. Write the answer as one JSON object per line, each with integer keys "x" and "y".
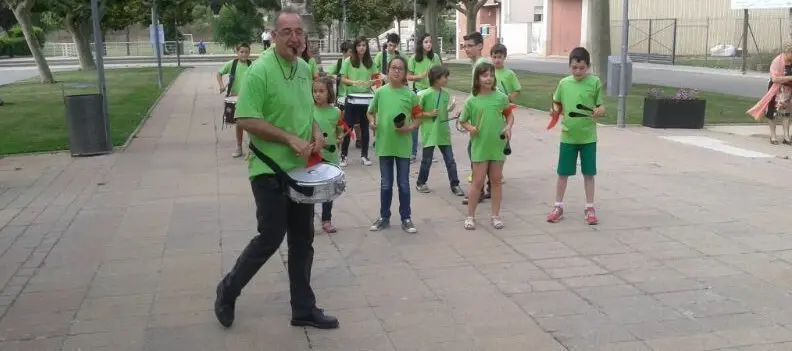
{"x": 122, "y": 252}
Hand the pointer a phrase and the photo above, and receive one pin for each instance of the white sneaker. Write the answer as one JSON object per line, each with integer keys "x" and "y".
{"x": 343, "y": 162}
{"x": 366, "y": 161}
{"x": 237, "y": 153}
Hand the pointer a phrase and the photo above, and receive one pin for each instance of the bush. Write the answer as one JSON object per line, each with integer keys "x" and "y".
{"x": 14, "y": 44}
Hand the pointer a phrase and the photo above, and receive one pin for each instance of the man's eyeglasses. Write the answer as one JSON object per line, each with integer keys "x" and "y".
{"x": 287, "y": 32}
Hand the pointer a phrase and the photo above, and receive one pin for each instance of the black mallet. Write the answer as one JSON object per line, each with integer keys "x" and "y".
{"x": 398, "y": 121}
{"x": 507, "y": 148}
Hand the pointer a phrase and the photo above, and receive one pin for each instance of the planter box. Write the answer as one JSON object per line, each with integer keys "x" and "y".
{"x": 669, "y": 113}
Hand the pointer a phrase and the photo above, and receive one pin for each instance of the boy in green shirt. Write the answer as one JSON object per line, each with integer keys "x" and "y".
{"x": 391, "y": 51}
{"x": 507, "y": 79}
{"x": 435, "y": 130}
{"x": 578, "y": 134}
{"x": 235, "y": 75}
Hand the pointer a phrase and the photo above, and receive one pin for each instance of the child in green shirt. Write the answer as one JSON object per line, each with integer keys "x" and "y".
{"x": 507, "y": 79}
{"x": 330, "y": 121}
{"x": 483, "y": 117}
{"x": 394, "y": 142}
{"x": 578, "y": 134}
{"x": 356, "y": 72}
{"x": 418, "y": 70}
{"x": 435, "y": 131}
{"x": 306, "y": 55}
{"x": 235, "y": 84}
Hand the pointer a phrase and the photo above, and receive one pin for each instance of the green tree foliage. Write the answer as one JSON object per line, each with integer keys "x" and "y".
{"x": 22, "y": 10}
{"x": 232, "y": 26}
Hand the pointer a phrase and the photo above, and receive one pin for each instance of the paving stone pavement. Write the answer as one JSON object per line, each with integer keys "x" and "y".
{"x": 122, "y": 252}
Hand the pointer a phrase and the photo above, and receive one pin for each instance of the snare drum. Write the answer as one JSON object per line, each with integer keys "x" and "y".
{"x": 229, "y": 109}
{"x": 359, "y": 99}
{"x": 326, "y": 181}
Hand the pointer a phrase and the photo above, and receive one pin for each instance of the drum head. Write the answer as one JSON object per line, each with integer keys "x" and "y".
{"x": 316, "y": 174}
{"x": 361, "y": 96}
{"x": 231, "y": 99}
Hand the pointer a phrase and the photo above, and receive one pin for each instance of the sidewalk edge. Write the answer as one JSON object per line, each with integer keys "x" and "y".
{"x": 145, "y": 118}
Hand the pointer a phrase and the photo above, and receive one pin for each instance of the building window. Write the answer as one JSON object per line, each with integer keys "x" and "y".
{"x": 485, "y": 29}
{"x": 538, "y": 13}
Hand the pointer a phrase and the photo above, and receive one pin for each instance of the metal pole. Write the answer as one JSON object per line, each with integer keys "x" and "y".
{"x": 178, "y": 44}
{"x": 99, "y": 48}
{"x": 622, "y": 117}
{"x": 155, "y": 24}
{"x": 344, "y": 27}
{"x": 745, "y": 42}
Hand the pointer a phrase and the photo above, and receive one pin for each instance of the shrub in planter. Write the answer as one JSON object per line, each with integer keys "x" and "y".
{"x": 14, "y": 44}
{"x": 681, "y": 110}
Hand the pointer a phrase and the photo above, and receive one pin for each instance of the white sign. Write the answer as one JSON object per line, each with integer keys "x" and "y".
{"x": 152, "y": 38}
{"x": 760, "y": 4}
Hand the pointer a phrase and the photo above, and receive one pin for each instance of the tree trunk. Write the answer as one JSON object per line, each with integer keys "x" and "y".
{"x": 127, "y": 41}
{"x": 432, "y": 16}
{"x": 22, "y": 14}
{"x": 790, "y": 23}
{"x": 599, "y": 42}
{"x": 471, "y": 15}
{"x": 80, "y": 32}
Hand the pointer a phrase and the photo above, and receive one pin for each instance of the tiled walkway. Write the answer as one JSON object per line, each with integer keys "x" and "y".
{"x": 122, "y": 252}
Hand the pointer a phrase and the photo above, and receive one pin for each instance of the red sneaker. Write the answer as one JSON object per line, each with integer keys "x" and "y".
{"x": 590, "y": 216}
{"x": 556, "y": 214}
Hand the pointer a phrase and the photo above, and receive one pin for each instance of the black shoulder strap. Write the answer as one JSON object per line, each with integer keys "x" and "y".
{"x": 282, "y": 176}
{"x": 231, "y": 77}
{"x": 384, "y": 62}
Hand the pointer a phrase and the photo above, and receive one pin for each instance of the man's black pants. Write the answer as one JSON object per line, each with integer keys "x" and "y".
{"x": 278, "y": 215}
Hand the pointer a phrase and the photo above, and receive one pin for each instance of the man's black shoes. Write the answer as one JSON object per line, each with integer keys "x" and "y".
{"x": 317, "y": 319}
{"x": 224, "y": 307}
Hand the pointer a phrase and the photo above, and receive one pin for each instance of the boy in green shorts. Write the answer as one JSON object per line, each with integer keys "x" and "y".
{"x": 578, "y": 134}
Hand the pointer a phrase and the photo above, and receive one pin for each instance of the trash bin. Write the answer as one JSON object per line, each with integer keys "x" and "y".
{"x": 88, "y": 134}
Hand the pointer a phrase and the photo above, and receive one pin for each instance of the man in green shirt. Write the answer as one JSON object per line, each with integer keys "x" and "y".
{"x": 276, "y": 109}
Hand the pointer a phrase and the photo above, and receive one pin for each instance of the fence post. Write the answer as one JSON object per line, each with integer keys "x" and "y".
{"x": 706, "y": 42}
{"x": 649, "y": 48}
{"x": 780, "y": 35}
{"x": 674, "y": 44}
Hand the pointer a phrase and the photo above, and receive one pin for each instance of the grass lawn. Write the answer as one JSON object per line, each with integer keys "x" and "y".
{"x": 538, "y": 88}
{"x": 34, "y": 118}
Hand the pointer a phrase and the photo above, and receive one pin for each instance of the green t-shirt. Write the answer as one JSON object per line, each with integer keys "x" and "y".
{"x": 359, "y": 73}
{"x": 241, "y": 70}
{"x": 328, "y": 118}
{"x": 388, "y": 102}
{"x": 420, "y": 67}
{"x": 313, "y": 67}
{"x": 435, "y": 131}
{"x": 285, "y": 103}
{"x": 378, "y": 60}
{"x": 485, "y": 112}
{"x": 334, "y": 69}
{"x": 507, "y": 81}
{"x": 570, "y": 92}
{"x": 473, "y": 69}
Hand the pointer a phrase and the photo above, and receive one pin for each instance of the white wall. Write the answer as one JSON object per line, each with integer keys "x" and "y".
{"x": 544, "y": 34}
{"x": 517, "y": 37}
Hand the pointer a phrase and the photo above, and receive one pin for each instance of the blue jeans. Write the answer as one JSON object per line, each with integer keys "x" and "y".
{"x": 402, "y": 168}
{"x": 415, "y": 142}
{"x": 450, "y": 163}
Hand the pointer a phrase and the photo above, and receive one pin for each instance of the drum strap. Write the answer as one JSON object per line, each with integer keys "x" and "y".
{"x": 282, "y": 176}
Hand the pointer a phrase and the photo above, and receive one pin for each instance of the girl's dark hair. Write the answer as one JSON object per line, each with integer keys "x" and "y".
{"x": 403, "y": 61}
{"x": 419, "y": 50}
{"x": 356, "y": 59}
{"x": 345, "y": 46}
{"x": 306, "y": 54}
{"x": 480, "y": 70}
{"x": 437, "y": 72}
{"x": 328, "y": 83}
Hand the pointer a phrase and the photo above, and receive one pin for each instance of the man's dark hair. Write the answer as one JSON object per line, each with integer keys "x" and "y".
{"x": 498, "y": 49}
{"x": 437, "y": 72}
{"x": 475, "y": 37}
{"x": 580, "y": 54}
{"x": 392, "y": 38}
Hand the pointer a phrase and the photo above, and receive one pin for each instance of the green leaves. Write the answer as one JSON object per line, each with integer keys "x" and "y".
{"x": 233, "y": 26}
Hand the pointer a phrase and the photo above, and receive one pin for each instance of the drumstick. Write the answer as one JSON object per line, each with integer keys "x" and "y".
{"x": 578, "y": 114}
{"x": 584, "y": 107}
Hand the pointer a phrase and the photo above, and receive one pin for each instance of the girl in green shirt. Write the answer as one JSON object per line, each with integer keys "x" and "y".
{"x": 330, "y": 120}
{"x": 418, "y": 71}
{"x": 483, "y": 117}
{"x": 356, "y": 72}
{"x": 306, "y": 55}
{"x": 394, "y": 142}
